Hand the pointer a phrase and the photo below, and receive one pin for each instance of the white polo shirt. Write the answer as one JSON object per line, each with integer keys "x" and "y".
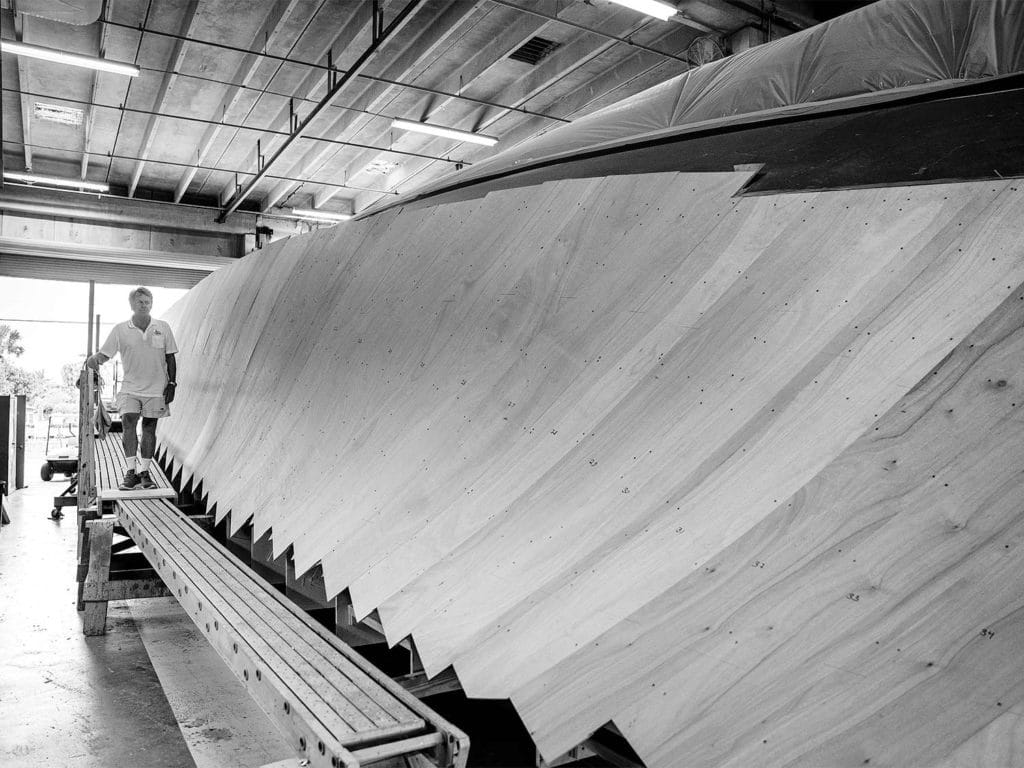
{"x": 142, "y": 354}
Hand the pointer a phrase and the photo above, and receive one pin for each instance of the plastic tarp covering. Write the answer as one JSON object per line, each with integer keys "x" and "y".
{"x": 884, "y": 50}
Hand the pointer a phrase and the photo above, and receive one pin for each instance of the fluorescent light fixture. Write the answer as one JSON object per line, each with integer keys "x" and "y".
{"x": 51, "y": 54}
{"x": 55, "y": 113}
{"x": 31, "y": 178}
{"x": 659, "y": 10}
{"x": 321, "y": 215}
{"x": 380, "y": 166}
{"x": 448, "y": 133}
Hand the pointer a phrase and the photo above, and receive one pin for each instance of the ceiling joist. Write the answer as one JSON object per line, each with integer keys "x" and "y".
{"x": 403, "y": 65}
{"x": 380, "y": 37}
{"x": 238, "y": 92}
{"x": 23, "y": 80}
{"x": 177, "y": 56}
{"x": 187, "y": 119}
{"x": 90, "y": 111}
{"x": 268, "y": 32}
{"x": 220, "y": 169}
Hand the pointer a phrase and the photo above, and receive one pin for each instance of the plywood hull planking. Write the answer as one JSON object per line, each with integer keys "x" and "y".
{"x": 587, "y": 441}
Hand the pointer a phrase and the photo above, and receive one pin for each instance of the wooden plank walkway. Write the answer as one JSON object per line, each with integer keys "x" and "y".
{"x": 111, "y": 466}
{"x": 337, "y": 707}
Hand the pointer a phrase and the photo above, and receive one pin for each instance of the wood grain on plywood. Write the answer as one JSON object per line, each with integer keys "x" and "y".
{"x": 876, "y": 577}
{"x": 780, "y": 381}
{"x": 613, "y": 432}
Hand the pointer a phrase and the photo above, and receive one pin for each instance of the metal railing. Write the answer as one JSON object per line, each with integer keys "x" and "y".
{"x": 87, "y": 398}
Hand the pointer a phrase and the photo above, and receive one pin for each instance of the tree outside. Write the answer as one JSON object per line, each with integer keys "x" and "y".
{"x": 44, "y": 395}
{"x": 15, "y": 380}
{"x": 10, "y": 342}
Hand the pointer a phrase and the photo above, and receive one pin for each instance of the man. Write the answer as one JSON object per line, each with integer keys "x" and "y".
{"x": 147, "y": 350}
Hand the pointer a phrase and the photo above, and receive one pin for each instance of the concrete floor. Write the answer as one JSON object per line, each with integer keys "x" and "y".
{"x": 151, "y": 693}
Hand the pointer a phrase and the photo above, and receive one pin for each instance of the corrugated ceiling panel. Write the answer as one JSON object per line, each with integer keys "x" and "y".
{"x": 45, "y": 268}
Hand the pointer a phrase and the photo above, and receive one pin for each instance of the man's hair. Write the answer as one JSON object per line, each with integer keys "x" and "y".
{"x": 143, "y": 291}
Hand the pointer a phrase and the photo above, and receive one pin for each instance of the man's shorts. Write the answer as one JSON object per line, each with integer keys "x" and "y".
{"x": 149, "y": 407}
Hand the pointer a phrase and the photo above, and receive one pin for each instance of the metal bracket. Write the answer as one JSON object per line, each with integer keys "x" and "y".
{"x": 377, "y": 21}
{"x": 332, "y": 72}
{"x": 382, "y": 34}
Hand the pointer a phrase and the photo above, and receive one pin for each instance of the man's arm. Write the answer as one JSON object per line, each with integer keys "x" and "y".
{"x": 96, "y": 361}
{"x": 172, "y": 378}
{"x": 104, "y": 353}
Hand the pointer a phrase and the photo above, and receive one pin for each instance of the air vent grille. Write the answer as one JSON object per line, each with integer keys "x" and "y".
{"x": 534, "y": 50}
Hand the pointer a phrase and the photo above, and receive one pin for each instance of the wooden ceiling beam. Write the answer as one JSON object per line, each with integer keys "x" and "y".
{"x": 188, "y": 18}
{"x": 266, "y": 36}
{"x": 425, "y": 44}
{"x": 381, "y": 36}
{"x": 520, "y": 29}
{"x": 630, "y": 71}
{"x": 563, "y": 62}
{"x": 559, "y": 65}
{"x": 315, "y": 81}
{"x": 90, "y": 111}
{"x": 22, "y": 64}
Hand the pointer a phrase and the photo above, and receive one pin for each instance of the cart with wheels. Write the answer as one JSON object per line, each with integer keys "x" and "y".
{"x": 61, "y": 458}
{"x": 61, "y": 451}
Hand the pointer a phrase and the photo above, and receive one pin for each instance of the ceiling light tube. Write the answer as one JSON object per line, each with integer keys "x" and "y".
{"x": 659, "y": 10}
{"x": 31, "y": 178}
{"x": 51, "y": 54}
{"x": 306, "y": 213}
{"x": 448, "y": 133}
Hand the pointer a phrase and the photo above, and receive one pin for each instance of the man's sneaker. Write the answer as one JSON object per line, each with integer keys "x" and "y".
{"x": 145, "y": 481}
{"x": 131, "y": 481}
